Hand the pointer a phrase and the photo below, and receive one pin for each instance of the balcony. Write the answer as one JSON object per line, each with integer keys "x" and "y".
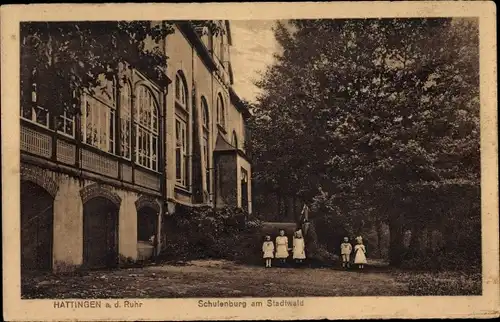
{"x": 62, "y": 150}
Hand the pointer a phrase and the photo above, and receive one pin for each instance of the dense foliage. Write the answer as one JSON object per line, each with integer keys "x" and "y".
{"x": 439, "y": 284}
{"x": 64, "y": 58}
{"x": 373, "y": 122}
{"x": 204, "y": 232}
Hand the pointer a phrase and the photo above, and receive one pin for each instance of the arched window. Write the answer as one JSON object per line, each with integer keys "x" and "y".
{"x": 221, "y": 55}
{"x": 204, "y": 111}
{"x": 98, "y": 117}
{"x": 146, "y": 122}
{"x": 125, "y": 119}
{"x": 221, "y": 113}
{"x": 180, "y": 92}
{"x": 181, "y": 132}
{"x": 206, "y": 147}
{"x": 234, "y": 140}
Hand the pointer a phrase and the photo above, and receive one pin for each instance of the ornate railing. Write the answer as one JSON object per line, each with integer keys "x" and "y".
{"x": 66, "y": 152}
{"x": 99, "y": 163}
{"x": 48, "y": 145}
{"x": 36, "y": 142}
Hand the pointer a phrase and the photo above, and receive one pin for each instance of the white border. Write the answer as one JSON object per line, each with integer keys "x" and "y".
{"x": 486, "y": 305}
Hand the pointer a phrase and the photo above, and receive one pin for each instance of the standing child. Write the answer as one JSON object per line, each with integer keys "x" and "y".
{"x": 268, "y": 250}
{"x": 360, "y": 250}
{"x": 299, "y": 246}
{"x": 282, "y": 247}
{"x": 345, "y": 252}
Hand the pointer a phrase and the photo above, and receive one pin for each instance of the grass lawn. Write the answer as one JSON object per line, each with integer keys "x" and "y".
{"x": 210, "y": 278}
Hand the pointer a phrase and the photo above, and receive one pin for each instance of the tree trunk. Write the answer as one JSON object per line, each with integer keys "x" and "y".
{"x": 379, "y": 237}
{"x": 279, "y": 205}
{"x": 294, "y": 208}
{"x": 415, "y": 244}
{"x": 396, "y": 246}
{"x": 287, "y": 208}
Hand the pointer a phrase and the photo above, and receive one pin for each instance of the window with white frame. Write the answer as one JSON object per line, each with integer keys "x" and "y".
{"x": 66, "y": 124}
{"x": 98, "y": 116}
{"x": 98, "y": 124}
{"x": 221, "y": 112}
{"x": 206, "y": 150}
{"x": 34, "y": 111}
{"x": 125, "y": 120}
{"x": 181, "y": 159}
{"x": 146, "y": 122}
{"x": 181, "y": 132}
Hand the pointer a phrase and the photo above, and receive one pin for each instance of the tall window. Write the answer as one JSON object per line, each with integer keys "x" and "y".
{"x": 125, "y": 120}
{"x": 221, "y": 55}
{"x": 204, "y": 111}
{"x": 98, "y": 117}
{"x": 181, "y": 133}
{"x": 206, "y": 149}
{"x": 221, "y": 112}
{"x": 234, "y": 140}
{"x": 181, "y": 164}
{"x": 66, "y": 124}
{"x": 180, "y": 92}
{"x": 244, "y": 189}
{"x": 35, "y": 112}
{"x": 146, "y": 123}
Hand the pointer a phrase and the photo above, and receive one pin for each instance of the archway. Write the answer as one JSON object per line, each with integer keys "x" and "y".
{"x": 147, "y": 225}
{"x": 37, "y": 233}
{"x": 100, "y": 233}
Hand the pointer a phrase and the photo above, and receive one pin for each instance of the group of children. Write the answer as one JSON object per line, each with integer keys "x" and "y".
{"x": 282, "y": 250}
{"x": 359, "y": 253}
{"x": 298, "y": 251}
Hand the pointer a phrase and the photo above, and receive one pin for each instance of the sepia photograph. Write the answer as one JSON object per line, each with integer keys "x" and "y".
{"x": 237, "y": 159}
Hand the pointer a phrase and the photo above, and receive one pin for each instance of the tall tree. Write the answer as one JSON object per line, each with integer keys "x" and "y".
{"x": 370, "y": 110}
{"x": 66, "y": 57}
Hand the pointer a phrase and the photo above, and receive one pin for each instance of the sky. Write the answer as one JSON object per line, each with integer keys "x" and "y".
{"x": 252, "y": 50}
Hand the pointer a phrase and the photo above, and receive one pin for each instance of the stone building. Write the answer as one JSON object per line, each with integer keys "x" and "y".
{"x": 96, "y": 187}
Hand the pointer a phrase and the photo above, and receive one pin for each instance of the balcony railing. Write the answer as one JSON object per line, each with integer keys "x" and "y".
{"x": 42, "y": 142}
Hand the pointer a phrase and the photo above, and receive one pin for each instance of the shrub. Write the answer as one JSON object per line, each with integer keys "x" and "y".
{"x": 198, "y": 233}
{"x": 456, "y": 283}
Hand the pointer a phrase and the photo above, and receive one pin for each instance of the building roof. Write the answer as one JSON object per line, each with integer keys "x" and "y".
{"x": 222, "y": 145}
{"x": 242, "y": 108}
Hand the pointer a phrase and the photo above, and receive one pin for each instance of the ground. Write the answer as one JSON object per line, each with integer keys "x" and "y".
{"x": 212, "y": 278}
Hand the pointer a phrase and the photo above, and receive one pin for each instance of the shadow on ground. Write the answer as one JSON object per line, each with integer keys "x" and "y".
{"x": 213, "y": 278}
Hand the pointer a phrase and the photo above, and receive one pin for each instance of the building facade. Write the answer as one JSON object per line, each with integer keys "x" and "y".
{"x": 96, "y": 187}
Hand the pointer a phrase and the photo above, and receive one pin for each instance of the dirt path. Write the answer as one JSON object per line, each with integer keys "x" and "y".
{"x": 213, "y": 279}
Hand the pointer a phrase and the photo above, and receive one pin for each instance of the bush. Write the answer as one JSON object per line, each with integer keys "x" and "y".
{"x": 456, "y": 283}
{"x": 198, "y": 233}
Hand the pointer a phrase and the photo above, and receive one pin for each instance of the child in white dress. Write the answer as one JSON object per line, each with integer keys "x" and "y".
{"x": 282, "y": 247}
{"x": 360, "y": 251}
{"x": 345, "y": 252}
{"x": 299, "y": 246}
{"x": 268, "y": 250}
